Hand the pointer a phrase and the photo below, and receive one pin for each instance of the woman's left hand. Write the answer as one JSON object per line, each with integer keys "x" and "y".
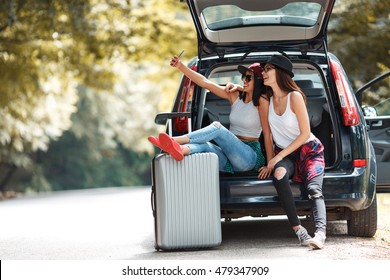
{"x": 230, "y": 87}
{"x": 266, "y": 171}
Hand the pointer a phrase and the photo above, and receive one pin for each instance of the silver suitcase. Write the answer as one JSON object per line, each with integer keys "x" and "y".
{"x": 186, "y": 201}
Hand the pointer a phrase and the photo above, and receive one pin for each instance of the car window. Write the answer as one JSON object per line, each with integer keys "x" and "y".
{"x": 304, "y": 78}
{"x": 228, "y": 16}
{"x": 376, "y": 99}
{"x": 314, "y": 77}
{"x": 222, "y": 78}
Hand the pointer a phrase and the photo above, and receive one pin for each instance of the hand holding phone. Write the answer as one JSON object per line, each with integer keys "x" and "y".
{"x": 175, "y": 60}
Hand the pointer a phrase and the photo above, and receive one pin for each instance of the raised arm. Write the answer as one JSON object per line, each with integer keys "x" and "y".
{"x": 200, "y": 80}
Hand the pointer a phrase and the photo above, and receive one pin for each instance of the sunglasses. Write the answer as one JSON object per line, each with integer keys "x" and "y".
{"x": 268, "y": 68}
{"x": 246, "y": 78}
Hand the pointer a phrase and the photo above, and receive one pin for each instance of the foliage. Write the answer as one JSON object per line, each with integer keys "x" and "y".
{"x": 60, "y": 56}
{"x": 70, "y": 165}
{"x": 161, "y": 29}
{"x": 46, "y": 48}
{"x": 359, "y": 35}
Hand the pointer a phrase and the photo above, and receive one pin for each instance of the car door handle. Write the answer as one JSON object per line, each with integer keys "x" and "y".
{"x": 377, "y": 123}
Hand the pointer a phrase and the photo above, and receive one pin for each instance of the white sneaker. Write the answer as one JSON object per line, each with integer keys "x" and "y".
{"x": 318, "y": 241}
{"x": 303, "y": 236}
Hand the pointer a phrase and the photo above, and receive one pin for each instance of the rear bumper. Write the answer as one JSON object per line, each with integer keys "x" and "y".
{"x": 355, "y": 191}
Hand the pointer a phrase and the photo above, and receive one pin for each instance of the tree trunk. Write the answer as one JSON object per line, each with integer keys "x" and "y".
{"x": 7, "y": 177}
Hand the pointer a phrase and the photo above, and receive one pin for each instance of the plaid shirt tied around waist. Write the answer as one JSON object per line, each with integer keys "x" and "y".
{"x": 308, "y": 160}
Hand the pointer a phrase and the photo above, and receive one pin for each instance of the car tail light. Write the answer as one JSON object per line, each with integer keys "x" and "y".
{"x": 180, "y": 124}
{"x": 359, "y": 163}
{"x": 348, "y": 106}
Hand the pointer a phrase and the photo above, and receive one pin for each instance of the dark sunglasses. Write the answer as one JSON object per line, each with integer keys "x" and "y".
{"x": 246, "y": 78}
{"x": 268, "y": 68}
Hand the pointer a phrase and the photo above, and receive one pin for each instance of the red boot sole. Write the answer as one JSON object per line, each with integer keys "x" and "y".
{"x": 170, "y": 146}
{"x": 155, "y": 141}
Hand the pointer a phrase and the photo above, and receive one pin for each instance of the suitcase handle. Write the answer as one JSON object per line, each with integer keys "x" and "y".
{"x": 152, "y": 202}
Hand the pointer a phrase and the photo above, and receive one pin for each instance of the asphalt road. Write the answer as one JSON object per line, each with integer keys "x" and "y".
{"x": 117, "y": 224}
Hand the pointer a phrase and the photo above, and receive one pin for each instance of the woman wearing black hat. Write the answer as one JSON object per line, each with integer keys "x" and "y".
{"x": 298, "y": 154}
{"x": 238, "y": 149}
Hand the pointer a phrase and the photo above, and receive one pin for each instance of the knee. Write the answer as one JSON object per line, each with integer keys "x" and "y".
{"x": 314, "y": 192}
{"x": 217, "y": 124}
{"x": 317, "y": 196}
{"x": 280, "y": 173}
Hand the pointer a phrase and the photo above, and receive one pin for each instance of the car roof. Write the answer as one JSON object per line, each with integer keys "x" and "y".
{"x": 228, "y": 26}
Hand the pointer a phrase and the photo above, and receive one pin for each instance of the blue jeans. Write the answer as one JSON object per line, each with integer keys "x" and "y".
{"x": 228, "y": 148}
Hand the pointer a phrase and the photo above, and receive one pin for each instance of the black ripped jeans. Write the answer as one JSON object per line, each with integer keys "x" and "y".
{"x": 313, "y": 188}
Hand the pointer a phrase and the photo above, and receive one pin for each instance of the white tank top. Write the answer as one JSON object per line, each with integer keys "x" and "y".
{"x": 244, "y": 119}
{"x": 284, "y": 128}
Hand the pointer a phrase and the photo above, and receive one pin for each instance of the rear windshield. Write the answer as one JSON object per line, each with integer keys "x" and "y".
{"x": 231, "y": 16}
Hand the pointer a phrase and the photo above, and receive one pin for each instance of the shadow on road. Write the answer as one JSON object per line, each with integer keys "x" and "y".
{"x": 261, "y": 238}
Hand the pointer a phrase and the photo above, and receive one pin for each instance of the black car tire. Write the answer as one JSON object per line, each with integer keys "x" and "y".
{"x": 363, "y": 223}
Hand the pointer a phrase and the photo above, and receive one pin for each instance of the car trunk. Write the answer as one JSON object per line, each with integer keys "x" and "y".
{"x": 308, "y": 77}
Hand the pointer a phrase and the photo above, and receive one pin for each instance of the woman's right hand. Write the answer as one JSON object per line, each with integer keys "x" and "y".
{"x": 175, "y": 61}
{"x": 264, "y": 172}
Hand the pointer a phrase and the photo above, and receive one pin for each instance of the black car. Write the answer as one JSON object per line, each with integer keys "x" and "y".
{"x": 241, "y": 32}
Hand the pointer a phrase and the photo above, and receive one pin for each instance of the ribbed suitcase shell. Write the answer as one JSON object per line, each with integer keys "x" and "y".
{"x": 186, "y": 201}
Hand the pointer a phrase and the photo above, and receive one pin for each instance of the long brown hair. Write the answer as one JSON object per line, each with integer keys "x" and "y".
{"x": 286, "y": 83}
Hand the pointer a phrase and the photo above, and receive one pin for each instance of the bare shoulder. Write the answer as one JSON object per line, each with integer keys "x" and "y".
{"x": 297, "y": 101}
{"x": 297, "y": 98}
{"x": 296, "y": 95}
{"x": 264, "y": 100}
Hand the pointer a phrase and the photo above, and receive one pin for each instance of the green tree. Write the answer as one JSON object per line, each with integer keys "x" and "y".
{"x": 69, "y": 165}
{"x": 359, "y": 34}
{"x": 50, "y": 49}
{"x": 46, "y": 49}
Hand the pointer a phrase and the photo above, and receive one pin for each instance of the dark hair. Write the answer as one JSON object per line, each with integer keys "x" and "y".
{"x": 286, "y": 83}
{"x": 258, "y": 90}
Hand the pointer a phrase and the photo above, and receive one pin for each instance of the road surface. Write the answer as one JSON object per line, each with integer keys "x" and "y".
{"x": 117, "y": 224}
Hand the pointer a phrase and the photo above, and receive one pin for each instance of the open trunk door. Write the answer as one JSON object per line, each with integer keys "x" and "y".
{"x": 231, "y": 26}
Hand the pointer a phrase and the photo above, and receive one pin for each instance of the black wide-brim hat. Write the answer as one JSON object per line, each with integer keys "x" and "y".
{"x": 281, "y": 62}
